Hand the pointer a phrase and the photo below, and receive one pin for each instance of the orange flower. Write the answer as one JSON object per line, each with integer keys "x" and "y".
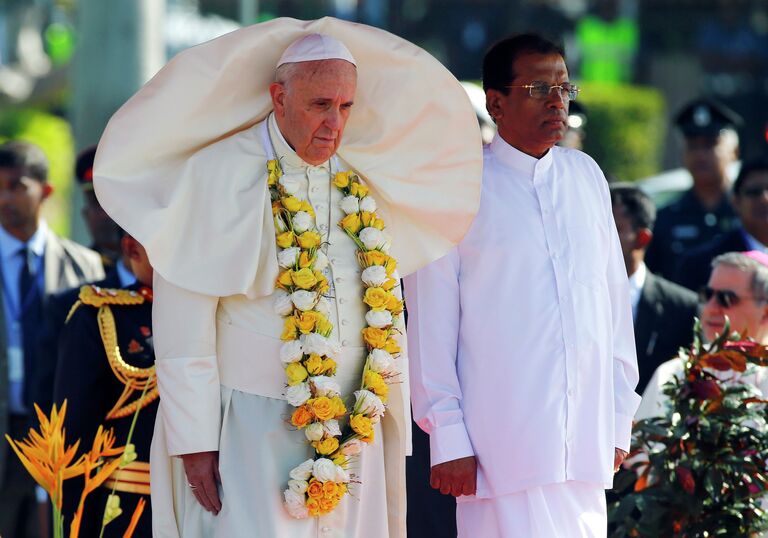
{"x": 301, "y": 417}
{"x": 323, "y": 408}
{"x": 315, "y": 489}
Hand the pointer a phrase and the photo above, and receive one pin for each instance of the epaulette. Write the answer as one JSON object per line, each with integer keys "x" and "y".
{"x": 96, "y": 296}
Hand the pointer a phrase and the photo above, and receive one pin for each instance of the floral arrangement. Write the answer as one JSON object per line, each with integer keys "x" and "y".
{"x": 700, "y": 469}
{"x": 49, "y": 460}
{"x": 317, "y": 485}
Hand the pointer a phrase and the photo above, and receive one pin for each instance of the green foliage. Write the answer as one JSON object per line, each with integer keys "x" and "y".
{"x": 54, "y": 136}
{"x": 700, "y": 470}
{"x": 625, "y": 129}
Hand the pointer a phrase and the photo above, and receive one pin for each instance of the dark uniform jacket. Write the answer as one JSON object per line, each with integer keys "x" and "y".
{"x": 92, "y": 382}
{"x": 664, "y": 324}
{"x": 684, "y": 225}
{"x": 696, "y": 266}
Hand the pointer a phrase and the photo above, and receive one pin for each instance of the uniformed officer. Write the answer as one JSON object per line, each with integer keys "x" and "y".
{"x": 703, "y": 212}
{"x": 106, "y": 359}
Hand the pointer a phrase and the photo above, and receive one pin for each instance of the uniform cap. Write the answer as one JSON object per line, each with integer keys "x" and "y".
{"x": 705, "y": 117}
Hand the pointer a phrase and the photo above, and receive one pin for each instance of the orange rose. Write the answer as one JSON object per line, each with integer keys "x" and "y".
{"x": 315, "y": 489}
{"x": 314, "y": 507}
{"x": 301, "y": 417}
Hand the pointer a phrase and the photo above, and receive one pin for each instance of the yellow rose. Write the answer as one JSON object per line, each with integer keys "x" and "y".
{"x": 322, "y": 407}
{"x": 392, "y": 347}
{"x": 356, "y": 189}
{"x": 305, "y": 260}
{"x": 289, "y": 329}
{"x": 284, "y": 280}
{"x": 306, "y": 321}
{"x": 301, "y": 417}
{"x": 329, "y": 367}
{"x": 351, "y": 223}
{"x": 362, "y": 426}
{"x": 310, "y": 240}
{"x": 339, "y": 409}
{"x": 322, "y": 282}
{"x": 375, "y": 257}
{"x": 326, "y": 446}
{"x": 376, "y": 338}
{"x": 324, "y": 327}
{"x": 390, "y": 265}
{"x": 314, "y": 364}
{"x": 393, "y": 304}
{"x": 285, "y": 239}
{"x": 340, "y": 460}
{"x": 307, "y": 208}
{"x": 330, "y": 489}
{"x": 375, "y": 297}
{"x": 367, "y": 218}
{"x": 315, "y": 489}
{"x": 291, "y": 203}
{"x": 326, "y": 504}
{"x": 376, "y": 384}
{"x": 314, "y": 507}
{"x": 378, "y": 224}
{"x": 296, "y": 373}
{"x": 390, "y": 284}
{"x": 304, "y": 278}
{"x": 341, "y": 180}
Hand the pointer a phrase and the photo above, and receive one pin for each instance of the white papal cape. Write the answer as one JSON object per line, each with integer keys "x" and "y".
{"x": 182, "y": 168}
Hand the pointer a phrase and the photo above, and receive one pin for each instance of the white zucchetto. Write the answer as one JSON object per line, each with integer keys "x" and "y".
{"x": 315, "y": 47}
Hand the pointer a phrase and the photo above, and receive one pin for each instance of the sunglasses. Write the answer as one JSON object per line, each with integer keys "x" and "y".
{"x": 754, "y": 192}
{"x": 724, "y": 298}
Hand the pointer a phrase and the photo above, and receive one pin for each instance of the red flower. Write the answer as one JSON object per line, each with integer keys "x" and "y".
{"x": 706, "y": 389}
{"x": 685, "y": 477}
{"x": 145, "y": 331}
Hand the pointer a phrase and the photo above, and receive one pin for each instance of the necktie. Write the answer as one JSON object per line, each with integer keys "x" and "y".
{"x": 25, "y": 278}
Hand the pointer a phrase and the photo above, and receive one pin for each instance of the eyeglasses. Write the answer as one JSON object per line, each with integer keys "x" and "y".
{"x": 754, "y": 192}
{"x": 724, "y": 298}
{"x": 541, "y": 90}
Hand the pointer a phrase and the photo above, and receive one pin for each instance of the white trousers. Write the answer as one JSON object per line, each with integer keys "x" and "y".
{"x": 257, "y": 450}
{"x": 564, "y": 510}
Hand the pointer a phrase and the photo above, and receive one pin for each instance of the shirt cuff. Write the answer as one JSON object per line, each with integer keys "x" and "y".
{"x": 623, "y": 432}
{"x": 449, "y": 443}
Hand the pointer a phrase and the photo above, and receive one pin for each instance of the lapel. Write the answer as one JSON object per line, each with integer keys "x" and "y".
{"x": 648, "y": 309}
{"x": 53, "y": 266}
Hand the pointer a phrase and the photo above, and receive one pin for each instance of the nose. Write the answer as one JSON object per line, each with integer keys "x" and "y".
{"x": 333, "y": 119}
{"x": 556, "y": 98}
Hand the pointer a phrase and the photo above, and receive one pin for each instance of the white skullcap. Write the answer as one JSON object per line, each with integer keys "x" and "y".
{"x": 314, "y": 47}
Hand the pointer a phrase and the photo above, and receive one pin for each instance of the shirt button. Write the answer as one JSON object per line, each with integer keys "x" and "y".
{"x": 339, "y": 279}
{"x": 570, "y": 393}
{"x": 323, "y": 227}
{"x": 326, "y": 529}
{"x": 345, "y": 342}
{"x": 342, "y": 300}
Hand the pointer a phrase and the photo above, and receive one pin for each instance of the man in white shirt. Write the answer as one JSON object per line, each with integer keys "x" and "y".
{"x": 522, "y": 353}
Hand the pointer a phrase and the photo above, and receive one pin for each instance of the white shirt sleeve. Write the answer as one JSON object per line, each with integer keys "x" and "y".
{"x": 433, "y": 301}
{"x": 184, "y": 328}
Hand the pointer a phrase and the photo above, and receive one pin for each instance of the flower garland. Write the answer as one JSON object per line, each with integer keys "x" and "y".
{"x": 317, "y": 485}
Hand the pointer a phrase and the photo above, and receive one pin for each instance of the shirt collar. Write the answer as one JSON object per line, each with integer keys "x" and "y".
{"x": 10, "y": 246}
{"x": 514, "y": 158}
{"x": 753, "y": 243}
{"x": 283, "y": 151}
{"x": 125, "y": 277}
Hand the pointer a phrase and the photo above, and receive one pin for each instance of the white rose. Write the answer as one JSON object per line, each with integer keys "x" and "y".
{"x": 290, "y": 184}
{"x": 375, "y": 275}
{"x": 323, "y": 306}
{"x": 291, "y": 351}
{"x": 324, "y": 469}
{"x": 332, "y": 427}
{"x": 353, "y": 447}
{"x": 298, "y": 394}
{"x": 350, "y": 204}
{"x": 341, "y": 477}
{"x": 303, "y": 471}
{"x": 314, "y": 431}
{"x": 378, "y": 318}
{"x": 325, "y": 386}
{"x": 288, "y": 257}
{"x": 283, "y": 304}
{"x": 302, "y": 221}
{"x": 295, "y": 505}
{"x": 369, "y": 404}
{"x": 368, "y": 204}
{"x": 304, "y": 300}
{"x": 371, "y": 238}
{"x": 321, "y": 260}
{"x": 317, "y": 343}
{"x": 382, "y": 362}
{"x": 298, "y": 486}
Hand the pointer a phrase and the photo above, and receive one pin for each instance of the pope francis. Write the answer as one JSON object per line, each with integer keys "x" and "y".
{"x": 282, "y": 178}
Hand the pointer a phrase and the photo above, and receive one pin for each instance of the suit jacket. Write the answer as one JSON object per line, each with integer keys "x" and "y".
{"x": 65, "y": 265}
{"x": 695, "y": 267}
{"x": 664, "y": 324}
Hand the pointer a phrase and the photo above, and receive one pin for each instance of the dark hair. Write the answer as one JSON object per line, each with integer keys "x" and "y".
{"x": 499, "y": 61}
{"x": 760, "y": 164}
{"x": 638, "y": 205}
{"x": 25, "y": 156}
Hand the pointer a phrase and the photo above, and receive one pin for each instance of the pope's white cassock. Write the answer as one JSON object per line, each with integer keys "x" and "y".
{"x": 182, "y": 167}
{"x": 522, "y": 350}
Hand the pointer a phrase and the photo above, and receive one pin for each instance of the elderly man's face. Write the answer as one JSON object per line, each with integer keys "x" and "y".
{"x": 312, "y": 107}
{"x": 747, "y": 314}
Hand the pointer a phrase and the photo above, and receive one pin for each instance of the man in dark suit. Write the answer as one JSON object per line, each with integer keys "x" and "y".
{"x": 663, "y": 311}
{"x": 34, "y": 264}
{"x": 750, "y": 198}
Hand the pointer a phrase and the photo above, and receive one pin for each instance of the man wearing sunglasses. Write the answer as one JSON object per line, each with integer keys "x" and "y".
{"x": 737, "y": 290}
{"x": 522, "y": 355}
{"x": 750, "y": 199}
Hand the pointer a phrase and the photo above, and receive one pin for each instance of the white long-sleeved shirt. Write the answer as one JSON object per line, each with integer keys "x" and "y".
{"x": 521, "y": 340}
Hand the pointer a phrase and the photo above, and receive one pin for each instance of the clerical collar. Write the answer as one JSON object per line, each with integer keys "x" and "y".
{"x": 283, "y": 151}
{"x": 514, "y": 158}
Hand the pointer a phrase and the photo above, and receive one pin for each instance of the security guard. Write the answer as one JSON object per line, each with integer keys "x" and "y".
{"x": 106, "y": 373}
{"x": 703, "y": 212}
